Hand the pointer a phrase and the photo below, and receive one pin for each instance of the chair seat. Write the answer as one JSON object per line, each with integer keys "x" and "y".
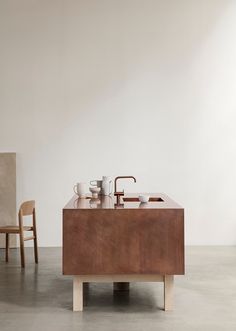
{"x": 14, "y": 229}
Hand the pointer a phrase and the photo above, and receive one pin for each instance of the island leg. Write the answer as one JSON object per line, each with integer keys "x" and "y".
{"x": 168, "y": 292}
{"x": 121, "y": 286}
{"x": 77, "y": 294}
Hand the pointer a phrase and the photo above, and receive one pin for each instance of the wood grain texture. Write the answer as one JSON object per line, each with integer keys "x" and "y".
{"x": 123, "y": 241}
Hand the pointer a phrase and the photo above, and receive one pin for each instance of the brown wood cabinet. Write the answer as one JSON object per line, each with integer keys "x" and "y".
{"x": 100, "y": 238}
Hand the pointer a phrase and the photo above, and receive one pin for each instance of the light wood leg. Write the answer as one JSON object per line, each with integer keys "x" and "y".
{"x": 77, "y": 294}
{"x": 36, "y": 250}
{"x": 168, "y": 292}
{"x": 35, "y": 239}
{"x": 22, "y": 251}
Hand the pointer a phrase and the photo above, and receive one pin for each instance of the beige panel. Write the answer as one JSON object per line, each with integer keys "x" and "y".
{"x": 7, "y": 194}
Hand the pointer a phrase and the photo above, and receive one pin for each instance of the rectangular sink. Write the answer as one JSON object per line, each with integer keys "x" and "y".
{"x": 136, "y": 199}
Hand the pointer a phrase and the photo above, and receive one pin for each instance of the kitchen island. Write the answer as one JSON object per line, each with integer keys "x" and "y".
{"x": 128, "y": 242}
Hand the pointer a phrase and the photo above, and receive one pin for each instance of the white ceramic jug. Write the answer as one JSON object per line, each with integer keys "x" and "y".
{"x": 106, "y": 185}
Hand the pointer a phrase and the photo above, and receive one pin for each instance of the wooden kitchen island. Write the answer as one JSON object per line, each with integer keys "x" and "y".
{"x": 129, "y": 242}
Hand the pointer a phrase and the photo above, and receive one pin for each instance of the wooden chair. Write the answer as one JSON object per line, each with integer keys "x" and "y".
{"x": 27, "y": 208}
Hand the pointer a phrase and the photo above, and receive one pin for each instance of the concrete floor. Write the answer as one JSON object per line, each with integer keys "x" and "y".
{"x": 40, "y": 298}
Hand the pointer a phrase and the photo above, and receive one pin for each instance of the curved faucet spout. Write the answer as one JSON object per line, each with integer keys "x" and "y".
{"x": 119, "y": 194}
{"x": 121, "y": 177}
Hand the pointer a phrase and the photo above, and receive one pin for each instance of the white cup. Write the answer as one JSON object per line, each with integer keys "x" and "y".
{"x": 80, "y": 189}
{"x": 96, "y": 182}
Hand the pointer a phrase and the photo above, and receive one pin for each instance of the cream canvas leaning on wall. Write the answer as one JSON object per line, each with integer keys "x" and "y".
{"x": 7, "y": 194}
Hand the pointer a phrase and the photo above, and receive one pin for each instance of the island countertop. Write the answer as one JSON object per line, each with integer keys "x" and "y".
{"x": 161, "y": 201}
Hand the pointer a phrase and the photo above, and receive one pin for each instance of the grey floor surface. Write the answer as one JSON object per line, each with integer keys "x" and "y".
{"x": 40, "y": 297}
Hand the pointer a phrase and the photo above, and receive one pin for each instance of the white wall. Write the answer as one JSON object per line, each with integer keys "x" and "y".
{"x": 118, "y": 87}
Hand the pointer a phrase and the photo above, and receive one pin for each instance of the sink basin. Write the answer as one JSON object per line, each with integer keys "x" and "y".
{"x": 136, "y": 199}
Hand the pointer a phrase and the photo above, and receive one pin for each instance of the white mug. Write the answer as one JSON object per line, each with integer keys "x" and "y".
{"x": 96, "y": 182}
{"x": 80, "y": 189}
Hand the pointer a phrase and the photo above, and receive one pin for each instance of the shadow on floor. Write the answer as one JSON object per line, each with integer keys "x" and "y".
{"x": 43, "y": 285}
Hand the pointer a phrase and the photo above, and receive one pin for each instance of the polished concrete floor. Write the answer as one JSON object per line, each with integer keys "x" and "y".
{"x": 39, "y": 298}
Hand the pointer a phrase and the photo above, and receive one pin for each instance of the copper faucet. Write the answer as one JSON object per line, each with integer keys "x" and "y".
{"x": 121, "y": 193}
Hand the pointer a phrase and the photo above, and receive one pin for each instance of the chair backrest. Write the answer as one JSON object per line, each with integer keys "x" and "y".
{"x": 27, "y": 208}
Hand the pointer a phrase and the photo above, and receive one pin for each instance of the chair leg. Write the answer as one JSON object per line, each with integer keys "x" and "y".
{"x": 22, "y": 250}
{"x": 7, "y": 247}
{"x": 35, "y": 238}
{"x": 35, "y": 248}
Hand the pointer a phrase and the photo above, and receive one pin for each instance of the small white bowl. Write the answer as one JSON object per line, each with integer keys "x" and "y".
{"x": 94, "y": 190}
{"x": 144, "y": 198}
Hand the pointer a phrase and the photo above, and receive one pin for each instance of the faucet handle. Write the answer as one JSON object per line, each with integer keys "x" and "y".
{"x": 121, "y": 193}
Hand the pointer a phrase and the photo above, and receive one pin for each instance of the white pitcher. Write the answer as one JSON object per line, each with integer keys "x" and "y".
{"x": 106, "y": 185}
